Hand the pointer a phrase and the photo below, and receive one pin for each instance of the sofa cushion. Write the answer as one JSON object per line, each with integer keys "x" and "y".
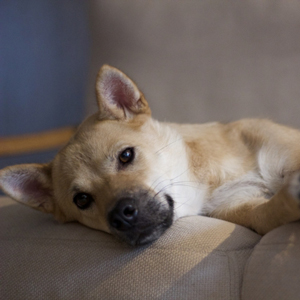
{"x": 274, "y": 266}
{"x": 197, "y": 258}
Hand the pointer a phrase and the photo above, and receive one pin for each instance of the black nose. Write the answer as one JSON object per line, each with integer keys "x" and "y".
{"x": 124, "y": 215}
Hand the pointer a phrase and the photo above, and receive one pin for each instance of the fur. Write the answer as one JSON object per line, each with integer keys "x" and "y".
{"x": 245, "y": 172}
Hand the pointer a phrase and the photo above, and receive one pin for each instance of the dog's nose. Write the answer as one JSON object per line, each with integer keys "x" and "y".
{"x": 124, "y": 215}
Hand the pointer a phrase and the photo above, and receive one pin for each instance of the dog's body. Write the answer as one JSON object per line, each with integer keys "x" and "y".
{"x": 127, "y": 174}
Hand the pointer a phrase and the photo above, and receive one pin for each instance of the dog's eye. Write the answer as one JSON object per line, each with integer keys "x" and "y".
{"x": 83, "y": 200}
{"x": 126, "y": 156}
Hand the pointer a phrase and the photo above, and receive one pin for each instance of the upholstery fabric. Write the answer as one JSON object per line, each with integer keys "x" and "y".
{"x": 202, "y": 61}
{"x": 273, "y": 268}
{"x": 198, "y": 258}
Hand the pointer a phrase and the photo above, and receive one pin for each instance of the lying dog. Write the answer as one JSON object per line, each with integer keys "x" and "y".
{"x": 129, "y": 175}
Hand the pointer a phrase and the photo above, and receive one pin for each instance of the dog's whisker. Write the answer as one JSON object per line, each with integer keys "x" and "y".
{"x": 168, "y": 145}
{"x": 179, "y": 183}
{"x": 160, "y": 182}
{"x": 184, "y": 203}
{"x": 181, "y": 174}
{"x": 172, "y": 179}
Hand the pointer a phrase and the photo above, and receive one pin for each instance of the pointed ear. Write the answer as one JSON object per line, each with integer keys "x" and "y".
{"x": 117, "y": 95}
{"x": 29, "y": 184}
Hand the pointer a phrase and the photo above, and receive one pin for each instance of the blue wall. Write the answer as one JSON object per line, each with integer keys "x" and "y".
{"x": 44, "y": 53}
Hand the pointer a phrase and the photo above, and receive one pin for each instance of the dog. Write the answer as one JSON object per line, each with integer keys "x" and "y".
{"x": 129, "y": 175}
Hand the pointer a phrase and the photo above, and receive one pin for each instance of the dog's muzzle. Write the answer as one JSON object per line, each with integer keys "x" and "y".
{"x": 140, "y": 219}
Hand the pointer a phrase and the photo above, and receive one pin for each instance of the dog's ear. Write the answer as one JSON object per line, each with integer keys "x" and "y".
{"x": 118, "y": 96}
{"x": 29, "y": 184}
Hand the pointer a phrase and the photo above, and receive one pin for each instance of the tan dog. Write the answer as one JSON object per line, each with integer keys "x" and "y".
{"x": 132, "y": 176}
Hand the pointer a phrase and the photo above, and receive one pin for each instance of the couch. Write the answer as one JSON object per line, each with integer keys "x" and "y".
{"x": 197, "y": 258}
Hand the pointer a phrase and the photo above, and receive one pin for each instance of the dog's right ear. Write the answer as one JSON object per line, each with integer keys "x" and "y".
{"x": 29, "y": 184}
{"x": 118, "y": 96}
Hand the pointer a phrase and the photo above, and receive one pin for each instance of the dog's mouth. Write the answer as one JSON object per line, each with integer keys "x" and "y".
{"x": 138, "y": 221}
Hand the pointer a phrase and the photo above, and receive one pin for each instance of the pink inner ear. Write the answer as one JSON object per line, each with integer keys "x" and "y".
{"x": 35, "y": 189}
{"x": 28, "y": 186}
{"x": 119, "y": 91}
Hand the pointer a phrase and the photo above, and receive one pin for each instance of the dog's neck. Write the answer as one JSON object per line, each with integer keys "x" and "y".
{"x": 200, "y": 159}
{"x": 179, "y": 177}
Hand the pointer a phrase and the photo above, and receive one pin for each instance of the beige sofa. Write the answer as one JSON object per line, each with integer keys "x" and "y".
{"x": 198, "y": 258}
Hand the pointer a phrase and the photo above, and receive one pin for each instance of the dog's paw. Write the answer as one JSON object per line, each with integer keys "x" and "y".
{"x": 294, "y": 186}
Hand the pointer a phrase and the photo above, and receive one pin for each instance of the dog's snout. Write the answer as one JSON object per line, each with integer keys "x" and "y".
{"x": 124, "y": 215}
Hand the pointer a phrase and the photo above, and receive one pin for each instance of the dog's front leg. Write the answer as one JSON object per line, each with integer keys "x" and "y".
{"x": 263, "y": 215}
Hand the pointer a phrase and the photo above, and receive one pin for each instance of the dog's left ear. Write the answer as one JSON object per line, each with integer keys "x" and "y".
{"x": 118, "y": 96}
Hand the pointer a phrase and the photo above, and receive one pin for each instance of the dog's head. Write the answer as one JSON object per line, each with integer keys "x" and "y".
{"x": 113, "y": 175}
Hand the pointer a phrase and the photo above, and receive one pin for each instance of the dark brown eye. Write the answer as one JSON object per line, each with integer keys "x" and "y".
{"x": 126, "y": 156}
{"x": 83, "y": 200}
